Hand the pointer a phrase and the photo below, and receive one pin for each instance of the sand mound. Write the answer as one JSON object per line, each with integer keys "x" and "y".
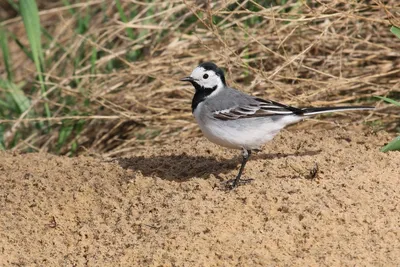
{"x": 164, "y": 206}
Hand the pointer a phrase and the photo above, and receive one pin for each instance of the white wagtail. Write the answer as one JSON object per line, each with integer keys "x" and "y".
{"x": 233, "y": 119}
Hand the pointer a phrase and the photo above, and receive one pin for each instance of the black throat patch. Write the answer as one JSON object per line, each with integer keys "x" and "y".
{"x": 201, "y": 94}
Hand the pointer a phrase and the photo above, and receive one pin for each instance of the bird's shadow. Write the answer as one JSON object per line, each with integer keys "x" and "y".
{"x": 183, "y": 167}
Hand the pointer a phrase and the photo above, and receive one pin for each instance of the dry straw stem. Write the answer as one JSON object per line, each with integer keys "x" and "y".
{"x": 313, "y": 53}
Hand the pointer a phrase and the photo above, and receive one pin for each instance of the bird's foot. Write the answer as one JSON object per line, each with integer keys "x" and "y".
{"x": 234, "y": 183}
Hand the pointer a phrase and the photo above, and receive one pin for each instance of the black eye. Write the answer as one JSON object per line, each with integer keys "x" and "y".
{"x": 205, "y": 76}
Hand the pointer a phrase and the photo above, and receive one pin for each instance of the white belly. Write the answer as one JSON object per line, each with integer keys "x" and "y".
{"x": 248, "y": 133}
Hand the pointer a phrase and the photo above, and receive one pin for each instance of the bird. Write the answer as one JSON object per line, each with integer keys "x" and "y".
{"x": 236, "y": 120}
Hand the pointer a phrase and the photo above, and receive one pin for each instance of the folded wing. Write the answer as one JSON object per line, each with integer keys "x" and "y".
{"x": 256, "y": 107}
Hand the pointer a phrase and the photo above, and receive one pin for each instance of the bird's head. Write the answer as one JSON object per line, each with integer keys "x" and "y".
{"x": 206, "y": 76}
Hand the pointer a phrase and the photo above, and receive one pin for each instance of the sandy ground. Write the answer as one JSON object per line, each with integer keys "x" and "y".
{"x": 165, "y": 206}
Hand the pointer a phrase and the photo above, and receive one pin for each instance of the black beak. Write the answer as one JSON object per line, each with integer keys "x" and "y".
{"x": 187, "y": 79}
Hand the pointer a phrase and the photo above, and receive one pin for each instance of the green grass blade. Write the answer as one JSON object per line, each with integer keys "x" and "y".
{"x": 93, "y": 59}
{"x": 6, "y": 52}
{"x": 389, "y": 100}
{"x": 395, "y": 31}
{"x": 124, "y": 19}
{"x": 30, "y": 17}
{"x": 64, "y": 134}
{"x": 2, "y": 143}
{"x": 4, "y": 106}
{"x": 13, "y": 4}
{"x": 21, "y": 46}
{"x": 393, "y": 145}
{"x": 17, "y": 95}
{"x": 44, "y": 31}
{"x": 83, "y": 22}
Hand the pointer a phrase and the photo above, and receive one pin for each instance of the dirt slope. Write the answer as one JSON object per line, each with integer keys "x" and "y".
{"x": 164, "y": 206}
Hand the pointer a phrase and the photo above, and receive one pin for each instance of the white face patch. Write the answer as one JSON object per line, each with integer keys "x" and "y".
{"x": 206, "y": 78}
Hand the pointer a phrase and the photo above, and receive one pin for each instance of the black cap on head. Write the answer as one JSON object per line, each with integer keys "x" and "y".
{"x": 212, "y": 66}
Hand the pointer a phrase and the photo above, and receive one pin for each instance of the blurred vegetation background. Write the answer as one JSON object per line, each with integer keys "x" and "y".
{"x": 102, "y": 77}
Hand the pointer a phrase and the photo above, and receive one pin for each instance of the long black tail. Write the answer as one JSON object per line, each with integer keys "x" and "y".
{"x": 315, "y": 111}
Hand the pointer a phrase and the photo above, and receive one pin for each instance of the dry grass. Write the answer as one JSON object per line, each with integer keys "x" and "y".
{"x": 312, "y": 53}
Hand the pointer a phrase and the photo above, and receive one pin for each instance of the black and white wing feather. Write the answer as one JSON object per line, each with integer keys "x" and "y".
{"x": 251, "y": 107}
{"x": 256, "y": 107}
{"x": 231, "y": 104}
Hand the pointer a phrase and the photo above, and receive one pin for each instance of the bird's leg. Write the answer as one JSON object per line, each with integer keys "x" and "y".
{"x": 237, "y": 181}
